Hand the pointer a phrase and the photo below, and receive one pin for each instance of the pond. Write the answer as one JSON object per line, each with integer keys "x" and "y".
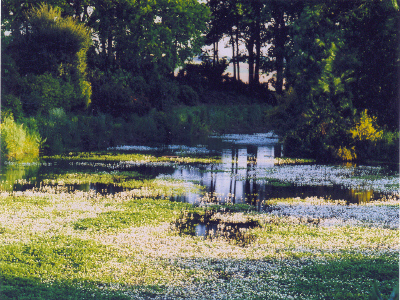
{"x": 249, "y": 169}
{"x": 104, "y": 223}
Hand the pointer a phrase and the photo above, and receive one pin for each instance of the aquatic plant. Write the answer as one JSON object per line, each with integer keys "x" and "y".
{"x": 134, "y": 158}
{"x": 121, "y": 245}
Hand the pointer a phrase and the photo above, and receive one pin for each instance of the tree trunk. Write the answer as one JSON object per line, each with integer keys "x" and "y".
{"x": 104, "y": 48}
{"x": 217, "y": 52}
{"x": 258, "y": 54}
{"x": 233, "y": 54}
{"x": 257, "y": 38}
{"x": 237, "y": 51}
{"x": 280, "y": 39}
{"x": 213, "y": 54}
{"x": 110, "y": 47}
{"x": 250, "y": 46}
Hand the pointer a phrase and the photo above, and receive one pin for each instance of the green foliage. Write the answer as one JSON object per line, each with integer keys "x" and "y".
{"x": 205, "y": 73}
{"x": 188, "y": 96}
{"x": 376, "y": 295}
{"x": 119, "y": 93}
{"x": 12, "y": 105}
{"x": 45, "y": 92}
{"x": 318, "y": 120}
{"x": 371, "y": 50}
{"x": 53, "y": 43}
{"x": 17, "y": 141}
{"x": 148, "y": 38}
{"x": 372, "y": 142}
{"x": 56, "y": 47}
{"x": 316, "y": 278}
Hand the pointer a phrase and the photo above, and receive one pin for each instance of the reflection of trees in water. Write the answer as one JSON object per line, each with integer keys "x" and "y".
{"x": 236, "y": 164}
{"x": 237, "y": 181}
{"x": 15, "y": 176}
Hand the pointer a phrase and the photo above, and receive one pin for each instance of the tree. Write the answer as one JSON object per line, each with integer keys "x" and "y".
{"x": 53, "y": 48}
{"x": 281, "y": 16}
{"x": 138, "y": 36}
{"x": 326, "y": 69}
{"x": 372, "y": 36}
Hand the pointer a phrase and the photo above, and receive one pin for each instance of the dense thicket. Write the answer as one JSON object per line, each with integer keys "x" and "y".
{"x": 333, "y": 65}
{"x": 48, "y": 61}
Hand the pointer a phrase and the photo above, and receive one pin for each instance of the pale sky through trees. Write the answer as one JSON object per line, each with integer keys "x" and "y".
{"x": 226, "y": 51}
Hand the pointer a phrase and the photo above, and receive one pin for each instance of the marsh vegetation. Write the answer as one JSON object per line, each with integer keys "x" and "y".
{"x": 125, "y": 174}
{"x": 156, "y": 223}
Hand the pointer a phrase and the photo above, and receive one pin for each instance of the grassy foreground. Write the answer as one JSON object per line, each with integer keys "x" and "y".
{"x": 62, "y": 244}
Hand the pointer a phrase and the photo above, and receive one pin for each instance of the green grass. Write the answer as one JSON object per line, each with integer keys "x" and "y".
{"x": 17, "y": 142}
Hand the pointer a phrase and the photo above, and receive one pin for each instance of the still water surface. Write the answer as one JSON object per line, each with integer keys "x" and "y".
{"x": 250, "y": 171}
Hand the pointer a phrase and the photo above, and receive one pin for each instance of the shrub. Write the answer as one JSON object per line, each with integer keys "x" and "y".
{"x": 52, "y": 52}
{"x": 119, "y": 93}
{"x": 46, "y": 92}
{"x": 12, "y": 104}
{"x": 17, "y": 144}
{"x": 345, "y": 153}
{"x": 188, "y": 96}
{"x": 366, "y": 129}
{"x": 365, "y": 135}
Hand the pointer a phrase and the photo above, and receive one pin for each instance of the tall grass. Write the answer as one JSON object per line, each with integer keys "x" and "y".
{"x": 18, "y": 142}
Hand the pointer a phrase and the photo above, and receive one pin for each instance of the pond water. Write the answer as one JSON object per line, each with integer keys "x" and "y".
{"x": 251, "y": 170}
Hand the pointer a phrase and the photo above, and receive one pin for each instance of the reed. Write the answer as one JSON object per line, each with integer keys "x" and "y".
{"x": 18, "y": 143}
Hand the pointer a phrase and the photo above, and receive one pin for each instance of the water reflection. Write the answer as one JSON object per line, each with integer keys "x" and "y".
{"x": 243, "y": 176}
{"x": 237, "y": 180}
{"x": 13, "y": 176}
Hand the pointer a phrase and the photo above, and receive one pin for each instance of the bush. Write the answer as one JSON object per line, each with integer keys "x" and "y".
{"x": 17, "y": 143}
{"x": 119, "y": 93}
{"x": 372, "y": 142}
{"x": 13, "y": 105}
{"x": 45, "y": 92}
{"x": 52, "y": 52}
{"x": 164, "y": 94}
{"x": 188, "y": 96}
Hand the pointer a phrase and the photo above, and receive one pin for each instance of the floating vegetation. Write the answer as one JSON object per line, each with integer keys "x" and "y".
{"x": 60, "y": 233}
{"x": 113, "y": 177}
{"x": 336, "y": 213}
{"x": 125, "y": 246}
{"x": 323, "y": 175}
{"x": 177, "y": 149}
{"x": 130, "y": 158}
{"x": 249, "y": 139}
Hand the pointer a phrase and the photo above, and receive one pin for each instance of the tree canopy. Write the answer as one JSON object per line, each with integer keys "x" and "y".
{"x": 328, "y": 61}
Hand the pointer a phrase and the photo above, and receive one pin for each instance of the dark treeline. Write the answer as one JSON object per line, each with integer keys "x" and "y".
{"x": 334, "y": 69}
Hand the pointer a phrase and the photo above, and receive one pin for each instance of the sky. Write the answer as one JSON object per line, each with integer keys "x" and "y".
{"x": 244, "y": 67}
